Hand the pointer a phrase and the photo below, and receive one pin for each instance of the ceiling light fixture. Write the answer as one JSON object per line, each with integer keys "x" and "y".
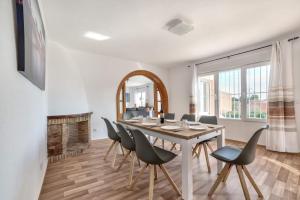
{"x": 96, "y": 36}
{"x": 179, "y": 26}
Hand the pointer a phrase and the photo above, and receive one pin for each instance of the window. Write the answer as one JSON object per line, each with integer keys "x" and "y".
{"x": 140, "y": 99}
{"x": 206, "y": 95}
{"x": 230, "y": 94}
{"x": 158, "y": 101}
{"x": 242, "y": 93}
{"x": 257, "y": 91}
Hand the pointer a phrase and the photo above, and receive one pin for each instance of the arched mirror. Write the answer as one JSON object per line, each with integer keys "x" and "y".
{"x": 139, "y": 93}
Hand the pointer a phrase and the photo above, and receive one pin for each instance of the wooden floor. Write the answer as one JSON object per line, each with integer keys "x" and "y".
{"x": 88, "y": 176}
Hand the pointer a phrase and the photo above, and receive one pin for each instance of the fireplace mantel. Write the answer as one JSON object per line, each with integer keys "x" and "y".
{"x": 68, "y": 135}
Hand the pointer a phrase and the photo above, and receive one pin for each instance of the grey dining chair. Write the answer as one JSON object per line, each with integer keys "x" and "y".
{"x": 239, "y": 158}
{"x": 128, "y": 143}
{"x": 127, "y": 115}
{"x": 170, "y": 116}
{"x": 167, "y": 116}
{"x": 116, "y": 140}
{"x": 153, "y": 157}
{"x": 188, "y": 117}
{"x": 205, "y": 144}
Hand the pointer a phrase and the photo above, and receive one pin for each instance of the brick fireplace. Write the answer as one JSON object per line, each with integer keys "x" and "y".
{"x": 68, "y": 135}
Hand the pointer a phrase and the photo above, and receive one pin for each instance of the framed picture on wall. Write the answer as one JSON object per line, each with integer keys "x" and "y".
{"x": 30, "y": 42}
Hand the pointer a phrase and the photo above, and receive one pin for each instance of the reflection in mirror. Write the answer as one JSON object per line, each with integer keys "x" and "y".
{"x": 139, "y": 96}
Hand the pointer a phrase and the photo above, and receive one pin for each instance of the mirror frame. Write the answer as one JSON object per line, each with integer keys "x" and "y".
{"x": 157, "y": 84}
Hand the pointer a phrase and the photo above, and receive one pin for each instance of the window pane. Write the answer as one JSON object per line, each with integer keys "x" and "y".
{"x": 257, "y": 91}
{"x": 230, "y": 94}
{"x": 206, "y": 95}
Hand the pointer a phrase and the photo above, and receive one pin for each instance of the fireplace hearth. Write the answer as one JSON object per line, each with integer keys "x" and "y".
{"x": 68, "y": 135}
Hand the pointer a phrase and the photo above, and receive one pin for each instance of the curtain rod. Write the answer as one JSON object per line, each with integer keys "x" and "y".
{"x": 291, "y": 39}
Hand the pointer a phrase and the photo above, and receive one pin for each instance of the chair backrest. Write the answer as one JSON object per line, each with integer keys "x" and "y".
{"x": 248, "y": 153}
{"x": 170, "y": 116}
{"x": 127, "y": 115}
{"x": 189, "y": 117}
{"x": 112, "y": 134}
{"x": 126, "y": 141}
{"x": 143, "y": 148}
{"x": 208, "y": 120}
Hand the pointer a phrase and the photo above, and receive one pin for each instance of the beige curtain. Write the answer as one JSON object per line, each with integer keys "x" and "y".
{"x": 282, "y": 135}
{"x": 194, "y": 92}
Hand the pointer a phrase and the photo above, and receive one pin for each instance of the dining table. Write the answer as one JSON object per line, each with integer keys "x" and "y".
{"x": 186, "y": 137}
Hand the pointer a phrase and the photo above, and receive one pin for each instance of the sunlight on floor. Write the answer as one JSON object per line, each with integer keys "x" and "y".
{"x": 281, "y": 164}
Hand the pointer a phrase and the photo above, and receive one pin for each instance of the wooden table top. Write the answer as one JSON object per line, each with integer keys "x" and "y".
{"x": 184, "y": 133}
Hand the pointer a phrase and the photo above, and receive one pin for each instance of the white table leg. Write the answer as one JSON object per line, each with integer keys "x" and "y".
{"x": 221, "y": 143}
{"x": 186, "y": 171}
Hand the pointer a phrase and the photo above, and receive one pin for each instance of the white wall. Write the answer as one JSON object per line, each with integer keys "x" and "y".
{"x": 101, "y": 76}
{"x": 66, "y": 93}
{"x": 23, "y": 109}
{"x": 180, "y": 83}
{"x": 180, "y": 86}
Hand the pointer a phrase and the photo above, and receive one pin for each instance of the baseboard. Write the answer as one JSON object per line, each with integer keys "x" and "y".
{"x": 99, "y": 139}
{"x": 43, "y": 177}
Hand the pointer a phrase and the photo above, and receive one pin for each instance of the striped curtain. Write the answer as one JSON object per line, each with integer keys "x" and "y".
{"x": 282, "y": 135}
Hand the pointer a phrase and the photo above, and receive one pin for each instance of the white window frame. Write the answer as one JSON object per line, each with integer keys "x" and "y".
{"x": 243, "y": 114}
{"x": 203, "y": 75}
{"x": 244, "y": 99}
{"x": 218, "y": 113}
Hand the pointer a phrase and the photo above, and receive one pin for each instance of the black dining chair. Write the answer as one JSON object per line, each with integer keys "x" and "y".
{"x": 205, "y": 144}
{"x": 128, "y": 143}
{"x": 153, "y": 156}
{"x": 239, "y": 158}
{"x": 116, "y": 140}
{"x": 188, "y": 117}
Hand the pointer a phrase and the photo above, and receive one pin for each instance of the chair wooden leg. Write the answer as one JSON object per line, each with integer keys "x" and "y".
{"x": 115, "y": 155}
{"x": 199, "y": 151}
{"x": 151, "y": 182}
{"x": 219, "y": 179}
{"x": 122, "y": 149}
{"x": 227, "y": 174}
{"x": 173, "y": 146}
{"x": 243, "y": 182}
{"x": 207, "y": 158}
{"x": 138, "y": 161}
{"x": 252, "y": 182}
{"x": 195, "y": 149}
{"x": 155, "y": 173}
{"x": 170, "y": 179}
{"x": 137, "y": 177}
{"x": 123, "y": 161}
{"x": 131, "y": 169}
{"x": 154, "y": 142}
{"x": 210, "y": 147}
{"x": 109, "y": 149}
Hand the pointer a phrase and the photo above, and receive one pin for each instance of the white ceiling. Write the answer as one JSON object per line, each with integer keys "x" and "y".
{"x": 136, "y": 81}
{"x": 137, "y": 33}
